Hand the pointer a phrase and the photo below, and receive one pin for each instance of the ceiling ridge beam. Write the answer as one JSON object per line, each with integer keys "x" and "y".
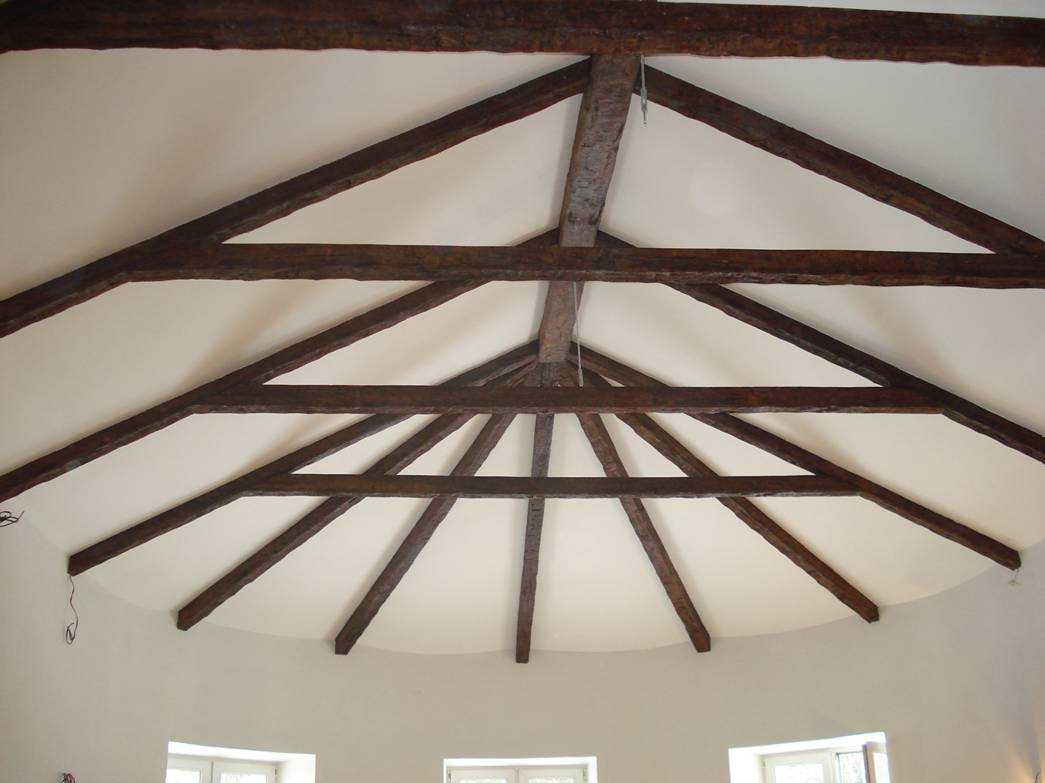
{"x": 419, "y": 535}
{"x": 755, "y": 518}
{"x": 524, "y": 487}
{"x": 690, "y": 266}
{"x": 578, "y": 26}
{"x": 839, "y": 165}
{"x": 803, "y": 458}
{"x": 280, "y": 398}
{"x": 322, "y": 515}
{"x": 642, "y": 524}
{"x": 183, "y": 513}
{"x": 289, "y": 196}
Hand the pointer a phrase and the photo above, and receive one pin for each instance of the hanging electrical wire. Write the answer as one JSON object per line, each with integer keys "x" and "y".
{"x": 7, "y": 518}
{"x": 74, "y": 626}
{"x": 577, "y": 333}
{"x": 643, "y": 97}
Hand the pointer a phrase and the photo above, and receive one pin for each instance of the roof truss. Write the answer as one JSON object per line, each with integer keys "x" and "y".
{"x": 530, "y": 379}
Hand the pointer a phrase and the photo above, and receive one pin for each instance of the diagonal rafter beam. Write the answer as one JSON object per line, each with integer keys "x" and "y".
{"x": 319, "y": 517}
{"x": 275, "y": 398}
{"x": 91, "y": 447}
{"x": 543, "y": 427}
{"x": 601, "y": 443}
{"x": 213, "y": 499}
{"x": 843, "y": 167}
{"x": 750, "y": 514}
{"x": 701, "y": 266}
{"x": 418, "y": 536}
{"x": 708, "y": 29}
{"x": 293, "y": 194}
{"x": 807, "y": 460}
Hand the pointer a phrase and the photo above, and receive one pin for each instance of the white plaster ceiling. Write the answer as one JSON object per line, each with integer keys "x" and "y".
{"x": 103, "y": 149}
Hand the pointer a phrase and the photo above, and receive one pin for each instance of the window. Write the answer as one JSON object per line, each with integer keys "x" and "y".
{"x": 558, "y": 770}
{"x": 867, "y": 763}
{"x": 200, "y": 770}
{"x": 187, "y": 763}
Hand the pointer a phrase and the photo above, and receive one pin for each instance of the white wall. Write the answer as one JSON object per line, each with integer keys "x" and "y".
{"x": 957, "y": 682}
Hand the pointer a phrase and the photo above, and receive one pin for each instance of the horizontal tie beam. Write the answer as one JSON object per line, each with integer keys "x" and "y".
{"x": 699, "y": 266}
{"x": 327, "y": 485}
{"x": 404, "y": 400}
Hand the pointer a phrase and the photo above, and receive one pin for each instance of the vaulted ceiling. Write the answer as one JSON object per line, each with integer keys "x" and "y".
{"x": 105, "y": 149}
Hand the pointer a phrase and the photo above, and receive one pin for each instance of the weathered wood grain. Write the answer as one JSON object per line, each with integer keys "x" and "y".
{"x": 807, "y": 460}
{"x": 641, "y": 265}
{"x": 293, "y": 194}
{"x": 579, "y": 26}
{"x": 225, "y": 493}
{"x": 428, "y": 399}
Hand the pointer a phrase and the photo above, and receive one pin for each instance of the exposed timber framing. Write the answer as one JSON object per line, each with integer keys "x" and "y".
{"x": 807, "y": 460}
{"x": 274, "y": 398}
{"x": 420, "y": 534}
{"x": 579, "y": 264}
{"x": 843, "y": 167}
{"x": 213, "y": 499}
{"x": 747, "y": 512}
{"x": 613, "y": 466}
{"x": 321, "y": 516}
{"x": 468, "y": 486}
{"x": 291, "y": 195}
{"x": 579, "y": 26}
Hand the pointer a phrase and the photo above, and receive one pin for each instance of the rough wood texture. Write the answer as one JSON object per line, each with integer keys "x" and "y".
{"x": 578, "y": 26}
{"x": 602, "y": 445}
{"x": 837, "y": 164}
{"x": 807, "y": 460}
{"x": 166, "y": 413}
{"x": 293, "y": 194}
{"x": 467, "y": 486}
{"x": 429, "y": 399}
{"x": 957, "y": 408}
{"x": 317, "y": 519}
{"x": 208, "y": 501}
{"x": 600, "y": 124}
{"x": 543, "y": 428}
{"x": 751, "y": 515}
{"x": 641, "y": 265}
{"x": 420, "y": 534}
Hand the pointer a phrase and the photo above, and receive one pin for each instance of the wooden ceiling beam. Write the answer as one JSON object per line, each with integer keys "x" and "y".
{"x": 421, "y": 532}
{"x": 698, "y": 266}
{"x": 523, "y": 487}
{"x": 166, "y": 413}
{"x": 843, "y": 167}
{"x": 807, "y": 460}
{"x": 291, "y": 195}
{"x": 750, "y": 514}
{"x": 579, "y": 26}
{"x": 793, "y": 331}
{"x": 322, "y": 515}
{"x": 183, "y": 513}
{"x": 432, "y": 399}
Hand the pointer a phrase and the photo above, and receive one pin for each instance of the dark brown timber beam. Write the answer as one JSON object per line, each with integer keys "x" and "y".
{"x": 213, "y": 499}
{"x": 166, "y": 413}
{"x": 600, "y": 124}
{"x": 580, "y": 26}
{"x": 291, "y": 195}
{"x": 602, "y": 444}
{"x": 317, "y": 519}
{"x": 748, "y": 513}
{"x": 807, "y": 460}
{"x": 843, "y": 167}
{"x": 639, "y": 265}
{"x": 420, "y": 534}
{"x": 433, "y": 399}
{"x": 807, "y": 338}
{"x": 467, "y": 486}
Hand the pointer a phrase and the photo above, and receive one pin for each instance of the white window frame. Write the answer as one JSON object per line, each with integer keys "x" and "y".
{"x": 519, "y": 770}
{"x": 221, "y": 766}
{"x": 191, "y": 764}
{"x": 827, "y": 758}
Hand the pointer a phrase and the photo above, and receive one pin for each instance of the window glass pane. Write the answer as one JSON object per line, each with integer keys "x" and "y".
{"x": 799, "y": 773}
{"x": 881, "y": 768}
{"x": 568, "y": 779}
{"x": 482, "y": 780}
{"x": 184, "y": 776}
{"x": 244, "y": 777}
{"x": 851, "y": 767}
